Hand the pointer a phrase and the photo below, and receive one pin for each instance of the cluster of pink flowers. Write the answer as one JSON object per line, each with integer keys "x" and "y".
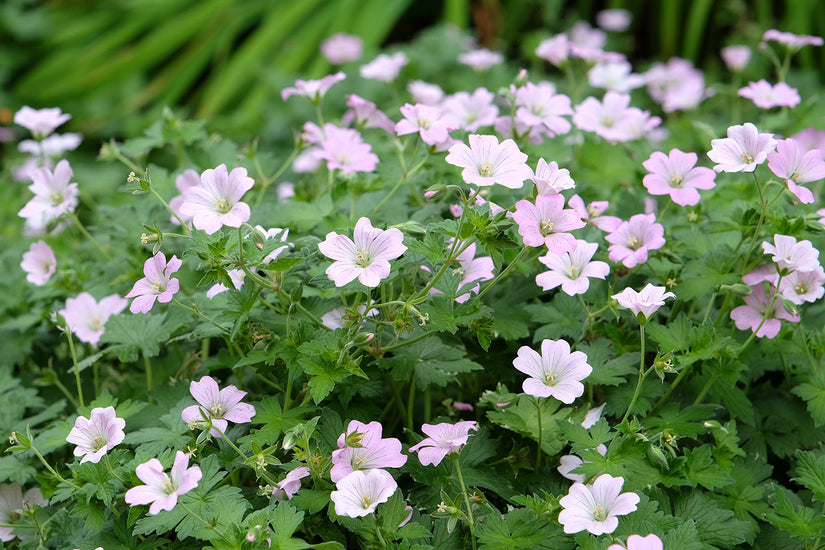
{"x": 613, "y": 119}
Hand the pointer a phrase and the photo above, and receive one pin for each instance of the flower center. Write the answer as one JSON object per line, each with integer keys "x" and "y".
{"x": 362, "y": 258}
{"x": 485, "y": 170}
{"x": 95, "y": 325}
{"x": 747, "y": 158}
{"x": 801, "y": 288}
{"x": 573, "y": 272}
{"x": 56, "y": 199}
{"x": 158, "y": 287}
{"x": 546, "y": 227}
{"x": 607, "y": 121}
{"x": 98, "y": 442}
{"x": 168, "y": 486}
{"x": 550, "y": 378}
{"x": 676, "y": 181}
{"x": 634, "y": 243}
{"x": 366, "y": 501}
{"x": 795, "y": 176}
{"x": 359, "y": 461}
{"x": 223, "y": 205}
{"x": 217, "y": 410}
{"x": 599, "y": 513}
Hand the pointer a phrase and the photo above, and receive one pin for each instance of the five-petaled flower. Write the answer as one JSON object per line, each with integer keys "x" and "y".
{"x": 158, "y": 283}
{"x": 216, "y": 201}
{"x": 359, "y": 493}
{"x": 557, "y": 372}
{"x": 486, "y": 162}
{"x": 572, "y": 270}
{"x": 677, "y": 175}
{"x": 594, "y": 507}
{"x": 219, "y": 406}
{"x": 638, "y": 542}
{"x": 39, "y": 263}
{"x": 445, "y": 439}
{"x": 365, "y": 257}
{"x": 644, "y": 302}
{"x": 86, "y": 317}
{"x": 96, "y": 435}
{"x": 162, "y": 490}
{"x": 743, "y": 149}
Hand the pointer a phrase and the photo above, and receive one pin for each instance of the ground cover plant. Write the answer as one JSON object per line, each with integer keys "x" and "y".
{"x": 471, "y": 306}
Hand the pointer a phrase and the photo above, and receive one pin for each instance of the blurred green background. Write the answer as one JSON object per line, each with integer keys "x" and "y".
{"x": 114, "y": 64}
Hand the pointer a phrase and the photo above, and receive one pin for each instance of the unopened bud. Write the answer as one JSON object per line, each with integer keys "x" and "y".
{"x": 521, "y": 78}
{"x": 739, "y": 289}
{"x": 362, "y": 338}
{"x": 658, "y": 457}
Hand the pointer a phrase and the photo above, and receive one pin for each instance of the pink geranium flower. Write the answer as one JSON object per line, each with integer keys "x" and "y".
{"x": 487, "y": 162}
{"x": 616, "y": 75}
{"x": 40, "y": 122}
{"x": 790, "y": 40}
{"x": 366, "y": 115}
{"x": 341, "y": 48}
{"x": 12, "y": 500}
{"x": 51, "y": 147}
{"x": 217, "y": 200}
{"x": 471, "y": 269}
{"x": 677, "y": 85}
{"x": 766, "y": 96}
{"x": 572, "y": 270}
{"x": 366, "y": 257}
{"x": 480, "y": 59}
{"x": 538, "y": 106}
{"x": 39, "y": 263}
{"x": 638, "y": 542}
{"x": 800, "y": 287}
{"x": 749, "y": 316}
{"x": 53, "y": 194}
{"x": 633, "y": 239}
{"x": 547, "y": 222}
{"x": 613, "y": 119}
{"x": 157, "y": 284}
{"x": 344, "y": 150}
{"x": 86, "y": 317}
{"x": 185, "y": 181}
{"x": 444, "y": 439}
{"x": 430, "y": 122}
{"x": 594, "y": 507}
{"x": 359, "y": 493}
{"x": 286, "y": 488}
{"x": 557, "y": 372}
{"x": 645, "y": 302}
{"x": 795, "y": 165}
{"x": 361, "y": 447}
{"x": 792, "y": 255}
{"x": 617, "y": 20}
{"x": 592, "y": 213}
{"x": 736, "y": 57}
{"x": 162, "y": 490}
{"x": 220, "y": 406}
{"x": 549, "y": 178}
{"x": 425, "y": 92}
{"x": 384, "y": 67}
{"x": 313, "y": 90}
{"x": 743, "y": 149}
{"x": 96, "y": 435}
{"x": 472, "y": 111}
{"x": 677, "y": 175}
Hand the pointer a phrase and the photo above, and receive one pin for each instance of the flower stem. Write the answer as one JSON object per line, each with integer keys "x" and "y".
{"x": 186, "y": 230}
{"x": 76, "y": 373}
{"x": 538, "y": 418}
{"x": 404, "y": 177}
{"x": 641, "y": 375}
{"x": 148, "y": 368}
{"x": 52, "y": 470}
{"x": 92, "y": 240}
{"x": 470, "y": 521}
{"x": 199, "y": 314}
{"x": 503, "y": 273}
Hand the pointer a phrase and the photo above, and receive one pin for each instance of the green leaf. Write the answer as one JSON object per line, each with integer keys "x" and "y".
{"x": 701, "y": 469}
{"x": 810, "y": 469}
{"x": 430, "y": 361}
{"x": 796, "y": 519}
{"x": 285, "y": 520}
{"x": 522, "y": 418}
{"x": 814, "y": 394}
{"x": 715, "y": 526}
{"x": 675, "y": 336}
{"x": 15, "y": 470}
{"x": 582, "y": 438}
{"x": 608, "y": 370}
{"x": 519, "y": 529}
{"x": 684, "y": 537}
{"x": 130, "y": 334}
{"x": 563, "y": 316}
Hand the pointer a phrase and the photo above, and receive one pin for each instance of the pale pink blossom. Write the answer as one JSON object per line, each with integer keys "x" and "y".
{"x": 342, "y": 317}
{"x": 593, "y": 415}
{"x": 803, "y": 286}
{"x": 286, "y": 488}
{"x": 274, "y": 233}
{"x": 52, "y": 147}
{"x": 792, "y": 41}
{"x": 53, "y": 194}
{"x": 612, "y": 119}
{"x": 594, "y": 507}
{"x": 555, "y": 49}
{"x": 12, "y": 503}
{"x": 810, "y": 138}
{"x": 793, "y": 164}
{"x": 766, "y": 96}
{"x": 359, "y": 493}
{"x": 362, "y": 447}
{"x": 96, "y": 435}
{"x": 487, "y": 162}
{"x": 736, "y": 57}
{"x": 313, "y": 90}
{"x": 472, "y": 111}
{"x": 366, "y": 115}
{"x": 749, "y": 316}
{"x": 539, "y": 106}
{"x": 677, "y": 175}
{"x": 341, "y": 48}
{"x": 617, "y": 20}
{"x": 162, "y": 490}
{"x": 549, "y": 178}
{"x": 40, "y": 122}
{"x": 583, "y": 35}
{"x": 472, "y": 269}
{"x": 480, "y": 59}
{"x": 645, "y": 302}
{"x": 425, "y": 92}
{"x": 365, "y": 257}
{"x": 343, "y": 149}
{"x": 220, "y": 406}
{"x": 571, "y": 270}
{"x": 676, "y": 85}
{"x": 86, "y": 317}
{"x": 592, "y": 213}
{"x": 186, "y": 180}
{"x": 157, "y": 284}
{"x": 617, "y": 76}
{"x": 431, "y": 123}
{"x": 631, "y": 242}
{"x": 556, "y": 373}
{"x": 444, "y": 439}
{"x": 638, "y": 542}
{"x": 39, "y": 263}
{"x": 547, "y": 223}
{"x": 791, "y": 255}
{"x": 743, "y": 149}
{"x": 216, "y": 202}
{"x": 384, "y": 67}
